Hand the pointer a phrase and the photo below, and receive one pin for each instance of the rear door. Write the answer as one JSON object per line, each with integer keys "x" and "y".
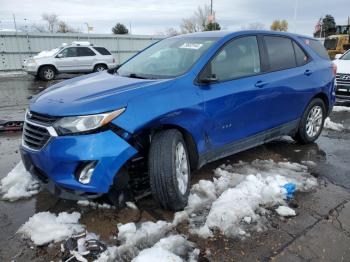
{"x": 86, "y": 59}
{"x": 68, "y": 60}
{"x": 288, "y": 80}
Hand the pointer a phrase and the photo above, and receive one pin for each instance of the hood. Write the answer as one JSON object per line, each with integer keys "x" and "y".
{"x": 92, "y": 94}
{"x": 343, "y": 66}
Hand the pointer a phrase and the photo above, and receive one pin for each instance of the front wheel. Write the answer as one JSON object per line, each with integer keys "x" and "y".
{"x": 311, "y": 123}
{"x": 47, "y": 73}
{"x": 100, "y": 67}
{"x": 169, "y": 169}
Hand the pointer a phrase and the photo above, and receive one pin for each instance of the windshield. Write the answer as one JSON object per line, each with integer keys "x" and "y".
{"x": 168, "y": 58}
{"x": 346, "y": 56}
{"x": 48, "y": 53}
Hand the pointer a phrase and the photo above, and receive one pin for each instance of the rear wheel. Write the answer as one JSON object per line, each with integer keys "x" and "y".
{"x": 47, "y": 73}
{"x": 169, "y": 169}
{"x": 100, "y": 67}
{"x": 311, "y": 123}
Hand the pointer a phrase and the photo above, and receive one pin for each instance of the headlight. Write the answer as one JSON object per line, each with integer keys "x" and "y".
{"x": 77, "y": 124}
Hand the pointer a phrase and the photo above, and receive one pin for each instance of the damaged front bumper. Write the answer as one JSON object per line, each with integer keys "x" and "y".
{"x": 58, "y": 163}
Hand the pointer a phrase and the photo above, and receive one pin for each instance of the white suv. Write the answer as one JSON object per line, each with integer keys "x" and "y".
{"x": 79, "y": 57}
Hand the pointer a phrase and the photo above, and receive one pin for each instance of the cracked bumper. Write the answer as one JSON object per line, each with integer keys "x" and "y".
{"x": 58, "y": 161}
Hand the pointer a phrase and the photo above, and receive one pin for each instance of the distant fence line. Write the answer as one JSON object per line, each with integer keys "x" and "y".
{"x": 15, "y": 47}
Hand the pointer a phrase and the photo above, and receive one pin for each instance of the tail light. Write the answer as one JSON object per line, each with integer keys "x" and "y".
{"x": 334, "y": 69}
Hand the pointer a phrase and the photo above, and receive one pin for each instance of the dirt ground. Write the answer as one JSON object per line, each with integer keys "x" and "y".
{"x": 319, "y": 232}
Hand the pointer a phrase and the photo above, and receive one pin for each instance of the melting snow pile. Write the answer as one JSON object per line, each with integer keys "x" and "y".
{"x": 45, "y": 227}
{"x": 18, "y": 184}
{"x": 329, "y": 124}
{"x": 147, "y": 241}
{"x": 238, "y": 195}
{"x": 169, "y": 249}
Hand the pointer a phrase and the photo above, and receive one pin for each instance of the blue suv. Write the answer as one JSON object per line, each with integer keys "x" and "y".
{"x": 177, "y": 105}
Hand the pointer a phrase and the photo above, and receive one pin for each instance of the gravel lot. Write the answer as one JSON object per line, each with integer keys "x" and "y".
{"x": 319, "y": 232}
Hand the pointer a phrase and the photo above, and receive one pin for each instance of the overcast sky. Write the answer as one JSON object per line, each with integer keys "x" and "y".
{"x": 151, "y": 16}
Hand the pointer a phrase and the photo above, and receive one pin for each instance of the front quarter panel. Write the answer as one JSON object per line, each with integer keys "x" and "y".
{"x": 179, "y": 105}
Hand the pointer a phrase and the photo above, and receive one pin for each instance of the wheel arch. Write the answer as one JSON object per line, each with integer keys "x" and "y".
{"x": 190, "y": 142}
{"x": 324, "y": 98}
{"x": 100, "y": 63}
{"x": 41, "y": 66}
{"x": 149, "y": 132}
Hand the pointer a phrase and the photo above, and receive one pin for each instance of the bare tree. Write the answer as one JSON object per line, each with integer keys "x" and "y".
{"x": 52, "y": 21}
{"x": 172, "y": 31}
{"x": 197, "y": 22}
{"x": 63, "y": 27}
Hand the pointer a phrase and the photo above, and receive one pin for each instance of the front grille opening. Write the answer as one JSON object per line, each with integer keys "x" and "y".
{"x": 41, "y": 119}
{"x": 35, "y": 137}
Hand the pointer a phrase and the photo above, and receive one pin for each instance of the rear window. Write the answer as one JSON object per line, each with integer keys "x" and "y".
{"x": 281, "y": 52}
{"x": 317, "y": 47}
{"x": 102, "y": 50}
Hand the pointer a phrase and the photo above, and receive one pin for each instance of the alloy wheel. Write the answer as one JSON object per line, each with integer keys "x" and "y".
{"x": 182, "y": 168}
{"x": 314, "y": 121}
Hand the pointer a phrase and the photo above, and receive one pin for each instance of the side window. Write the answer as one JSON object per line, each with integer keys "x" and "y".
{"x": 237, "y": 59}
{"x": 280, "y": 52}
{"x": 85, "y": 51}
{"x": 69, "y": 52}
{"x": 102, "y": 51}
{"x": 300, "y": 56}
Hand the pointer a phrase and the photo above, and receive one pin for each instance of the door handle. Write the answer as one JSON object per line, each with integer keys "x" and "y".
{"x": 307, "y": 72}
{"x": 260, "y": 84}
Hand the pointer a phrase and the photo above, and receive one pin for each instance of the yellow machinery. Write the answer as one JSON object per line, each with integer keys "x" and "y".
{"x": 336, "y": 44}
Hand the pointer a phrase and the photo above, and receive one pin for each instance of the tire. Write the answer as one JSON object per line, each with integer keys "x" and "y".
{"x": 47, "y": 73}
{"x": 100, "y": 67}
{"x": 309, "y": 130}
{"x": 167, "y": 190}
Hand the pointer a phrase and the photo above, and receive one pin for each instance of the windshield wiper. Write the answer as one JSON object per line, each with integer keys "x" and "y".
{"x": 133, "y": 75}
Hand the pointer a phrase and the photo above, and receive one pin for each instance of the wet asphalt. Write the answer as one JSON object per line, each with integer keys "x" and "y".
{"x": 331, "y": 153}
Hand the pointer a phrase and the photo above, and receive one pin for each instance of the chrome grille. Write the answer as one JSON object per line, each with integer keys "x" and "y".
{"x": 343, "y": 79}
{"x": 35, "y": 130}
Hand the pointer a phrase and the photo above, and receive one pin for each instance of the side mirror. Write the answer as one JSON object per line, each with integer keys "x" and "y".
{"x": 337, "y": 56}
{"x": 59, "y": 56}
{"x": 208, "y": 79}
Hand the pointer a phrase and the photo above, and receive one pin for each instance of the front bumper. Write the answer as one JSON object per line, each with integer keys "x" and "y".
{"x": 342, "y": 93}
{"x": 30, "y": 68}
{"x": 59, "y": 159}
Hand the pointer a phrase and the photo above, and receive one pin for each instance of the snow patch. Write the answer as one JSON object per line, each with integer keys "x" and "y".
{"x": 47, "y": 53}
{"x": 169, "y": 249}
{"x": 341, "y": 109}
{"x": 87, "y": 203}
{"x": 45, "y": 227}
{"x": 329, "y": 124}
{"x": 285, "y": 211}
{"x": 18, "y": 184}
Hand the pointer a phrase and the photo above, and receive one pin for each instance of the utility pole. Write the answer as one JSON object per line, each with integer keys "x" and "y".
{"x": 14, "y": 22}
{"x": 295, "y": 15}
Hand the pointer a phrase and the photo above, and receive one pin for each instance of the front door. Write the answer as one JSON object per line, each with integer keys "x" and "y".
{"x": 66, "y": 60}
{"x": 234, "y": 105}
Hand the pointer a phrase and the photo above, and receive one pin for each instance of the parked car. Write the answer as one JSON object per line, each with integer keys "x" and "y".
{"x": 79, "y": 57}
{"x": 217, "y": 94}
{"x": 342, "y": 91}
